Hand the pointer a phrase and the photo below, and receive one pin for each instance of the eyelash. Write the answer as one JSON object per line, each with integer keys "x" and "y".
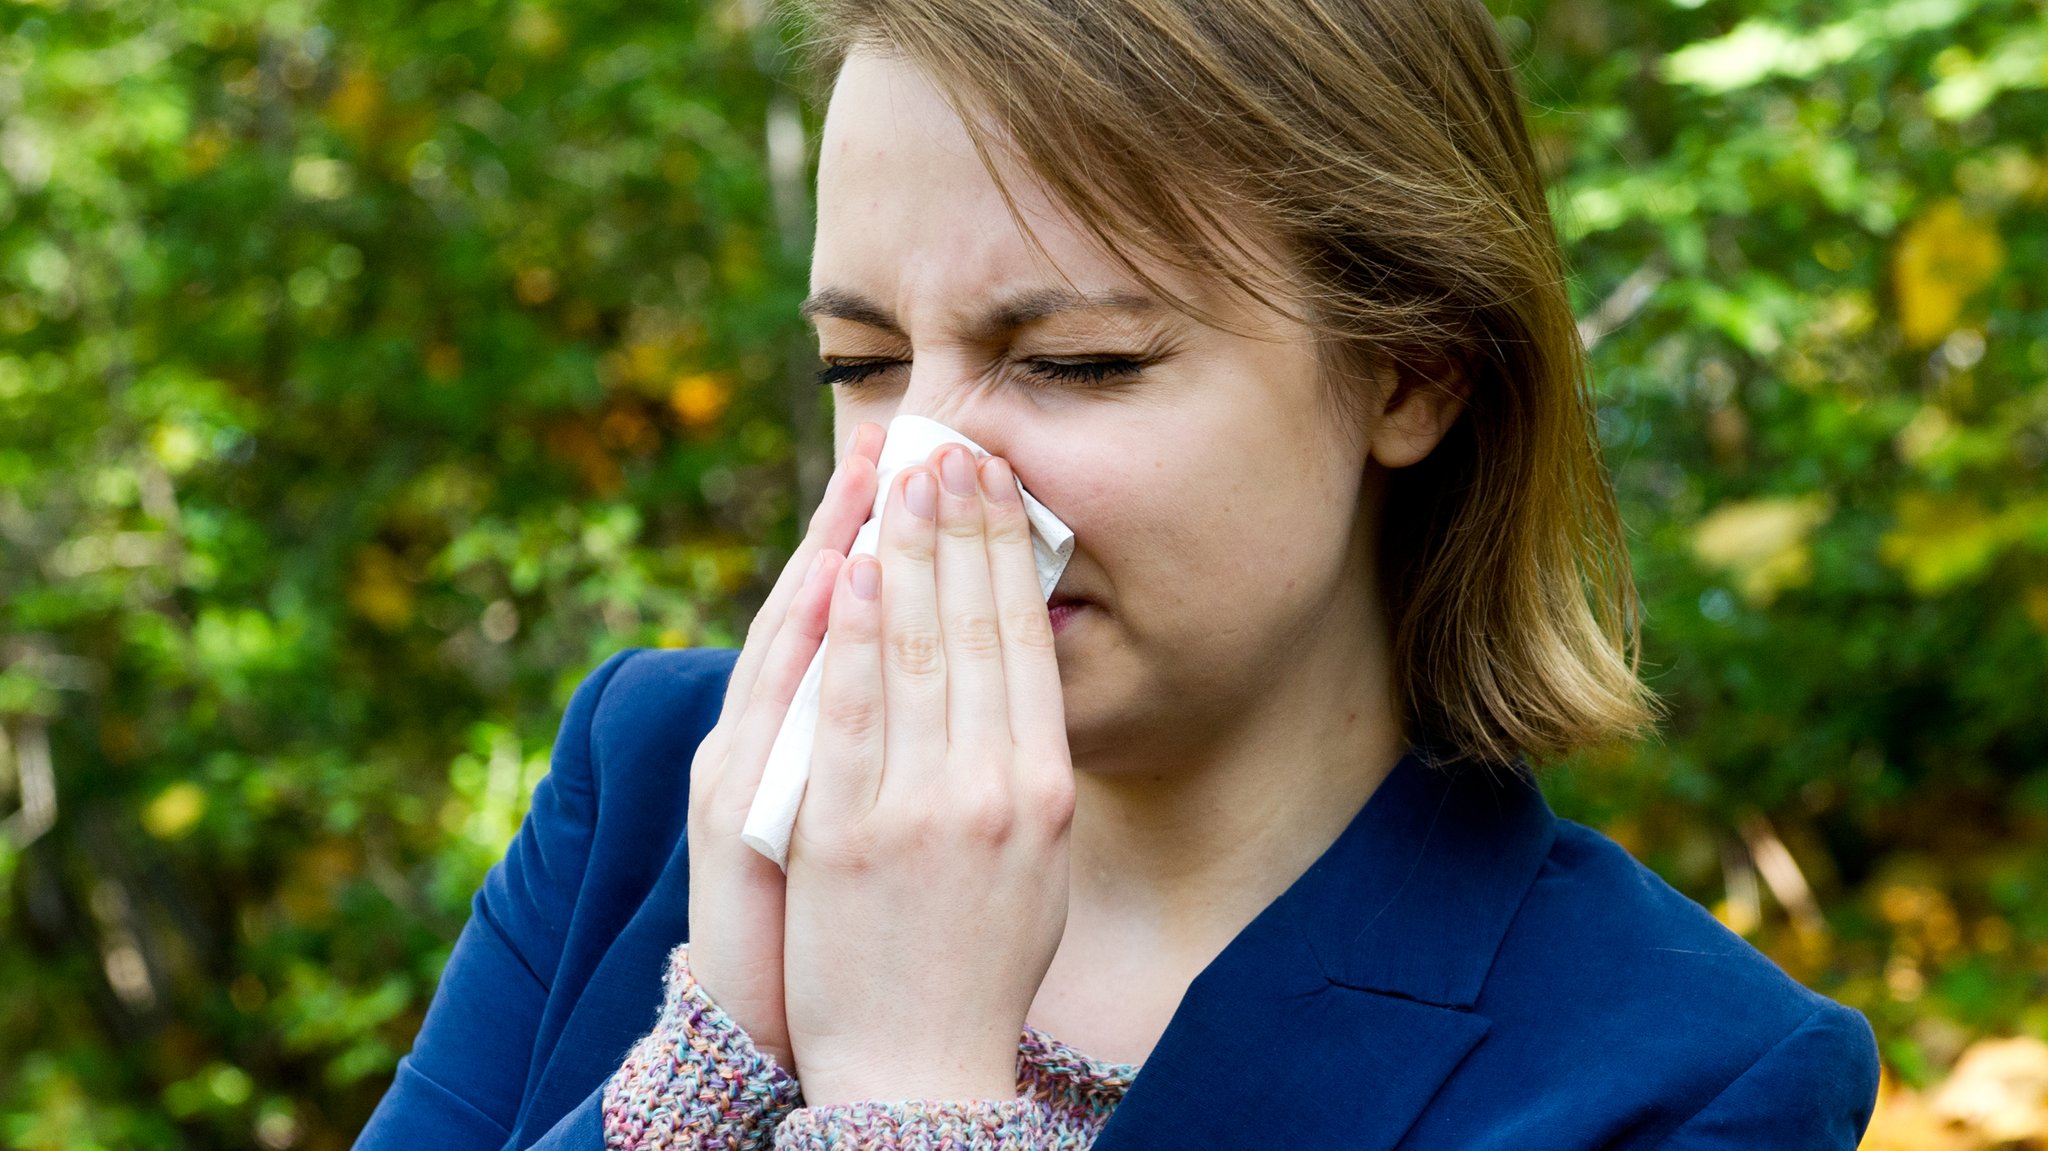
{"x": 1082, "y": 372}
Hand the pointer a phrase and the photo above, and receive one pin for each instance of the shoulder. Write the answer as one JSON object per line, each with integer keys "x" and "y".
{"x": 1609, "y": 922}
{"x": 629, "y": 734}
{"x": 1609, "y": 972}
{"x": 650, "y": 703}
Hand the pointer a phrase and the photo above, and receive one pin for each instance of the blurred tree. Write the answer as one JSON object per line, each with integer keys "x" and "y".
{"x": 369, "y": 371}
{"x": 1809, "y": 239}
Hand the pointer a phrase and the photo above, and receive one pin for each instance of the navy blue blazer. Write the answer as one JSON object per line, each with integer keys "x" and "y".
{"x": 1460, "y": 969}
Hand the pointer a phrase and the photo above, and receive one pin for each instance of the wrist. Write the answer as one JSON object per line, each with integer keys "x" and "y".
{"x": 693, "y": 1007}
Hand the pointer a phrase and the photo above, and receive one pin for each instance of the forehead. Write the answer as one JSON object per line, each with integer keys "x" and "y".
{"x": 910, "y": 217}
{"x": 903, "y": 196}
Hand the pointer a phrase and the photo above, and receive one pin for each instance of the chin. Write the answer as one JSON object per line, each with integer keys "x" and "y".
{"x": 1105, "y": 706}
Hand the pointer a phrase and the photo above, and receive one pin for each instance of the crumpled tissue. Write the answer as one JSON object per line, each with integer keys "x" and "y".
{"x": 910, "y": 440}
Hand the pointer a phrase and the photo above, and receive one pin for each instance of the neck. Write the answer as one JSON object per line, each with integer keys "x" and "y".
{"x": 1180, "y": 842}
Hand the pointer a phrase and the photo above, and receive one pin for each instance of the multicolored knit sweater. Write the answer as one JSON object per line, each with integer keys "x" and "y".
{"x": 698, "y": 1081}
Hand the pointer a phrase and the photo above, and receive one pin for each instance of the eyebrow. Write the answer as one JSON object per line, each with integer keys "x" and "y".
{"x": 1015, "y": 312}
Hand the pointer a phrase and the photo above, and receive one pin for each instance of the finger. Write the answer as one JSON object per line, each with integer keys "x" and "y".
{"x": 848, "y": 499}
{"x": 977, "y": 702}
{"x": 1031, "y": 670}
{"x": 847, "y": 764}
{"x": 913, "y": 652}
{"x": 788, "y": 657}
{"x": 867, "y": 440}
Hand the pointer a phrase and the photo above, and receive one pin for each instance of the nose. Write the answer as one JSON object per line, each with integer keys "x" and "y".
{"x": 946, "y": 394}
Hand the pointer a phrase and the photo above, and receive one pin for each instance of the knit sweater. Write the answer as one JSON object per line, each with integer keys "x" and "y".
{"x": 697, "y": 1081}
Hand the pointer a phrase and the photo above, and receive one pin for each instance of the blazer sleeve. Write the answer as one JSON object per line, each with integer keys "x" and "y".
{"x": 461, "y": 1086}
{"x": 1815, "y": 1089}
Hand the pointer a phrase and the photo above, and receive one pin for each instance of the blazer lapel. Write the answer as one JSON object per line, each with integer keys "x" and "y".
{"x": 1333, "y": 1017}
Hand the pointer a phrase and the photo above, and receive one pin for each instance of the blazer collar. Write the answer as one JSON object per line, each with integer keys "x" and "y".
{"x": 1334, "y": 1016}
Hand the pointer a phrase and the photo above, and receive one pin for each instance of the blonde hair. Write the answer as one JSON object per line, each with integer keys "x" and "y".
{"x": 1381, "y": 144}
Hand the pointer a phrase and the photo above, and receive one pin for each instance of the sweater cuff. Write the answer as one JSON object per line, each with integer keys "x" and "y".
{"x": 1020, "y": 1124}
{"x": 696, "y": 1080}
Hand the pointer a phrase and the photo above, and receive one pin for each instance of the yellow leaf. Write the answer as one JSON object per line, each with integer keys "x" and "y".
{"x": 534, "y": 286}
{"x": 581, "y": 447}
{"x": 1999, "y": 1088}
{"x": 176, "y": 447}
{"x": 1762, "y": 543}
{"x": 1941, "y": 542}
{"x": 2036, "y": 603}
{"x": 378, "y": 591}
{"x": 175, "y": 810}
{"x": 626, "y": 428}
{"x": 639, "y": 364}
{"x": 699, "y": 399}
{"x": 356, "y": 102}
{"x": 314, "y": 877}
{"x": 204, "y": 149}
{"x": 1927, "y": 433}
{"x": 536, "y": 29}
{"x": 1942, "y": 259}
{"x": 1902, "y": 1121}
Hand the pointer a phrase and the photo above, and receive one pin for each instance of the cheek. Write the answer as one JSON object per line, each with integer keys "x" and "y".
{"x": 1232, "y": 497}
{"x": 1207, "y": 542}
{"x": 1170, "y": 533}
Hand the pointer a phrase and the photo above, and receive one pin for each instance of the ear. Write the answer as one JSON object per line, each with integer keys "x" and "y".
{"x": 1422, "y": 402}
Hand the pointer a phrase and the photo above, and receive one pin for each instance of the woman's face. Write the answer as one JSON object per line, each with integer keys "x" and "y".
{"x": 1216, "y": 503}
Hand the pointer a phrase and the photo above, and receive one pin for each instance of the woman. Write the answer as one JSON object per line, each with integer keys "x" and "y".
{"x": 1235, "y": 844}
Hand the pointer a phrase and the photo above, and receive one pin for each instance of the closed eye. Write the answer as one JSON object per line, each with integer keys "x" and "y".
{"x": 853, "y": 371}
{"x": 1065, "y": 371}
{"x": 1084, "y": 371}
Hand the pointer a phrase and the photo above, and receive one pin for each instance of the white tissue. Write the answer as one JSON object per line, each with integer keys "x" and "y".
{"x": 910, "y": 440}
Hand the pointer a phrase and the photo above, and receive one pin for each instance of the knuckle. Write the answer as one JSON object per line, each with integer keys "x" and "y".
{"x": 711, "y": 748}
{"x": 1030, "y": 629}
{"x": 975, "y": 633}
{"x": 1052, "y": 805}
{"x": 906, "y": 828}
{"x": 765, "y": 692}
{"x": 961, "y": 527}
{"x": 857, "y": 716}
{"x": 1006, "y": 528}
{"x": 915, "y": 653}
{"x": 709, "y": 799}
{"x": 918, "y": 547}
{"x": 707, "y": 768}
{"x": 706, "y": 806}
{"x": 988, "y": 816}
{"x": 852, "y": 850}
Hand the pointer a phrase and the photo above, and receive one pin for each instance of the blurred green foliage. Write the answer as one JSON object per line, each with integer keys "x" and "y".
{"x": 369, "y": 371}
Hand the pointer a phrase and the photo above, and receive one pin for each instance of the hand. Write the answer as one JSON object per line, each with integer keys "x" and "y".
{"x": 736, "y": 894}
{"x": 928, "y": 868}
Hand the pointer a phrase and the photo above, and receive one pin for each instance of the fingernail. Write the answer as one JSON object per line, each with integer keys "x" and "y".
{"x": 817, "y": 565}
{"x": 998, "y": 481}
{"x": 867, "y": 577}
{"x": 921, "y": 492}
{"x": 957, "y": 465}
